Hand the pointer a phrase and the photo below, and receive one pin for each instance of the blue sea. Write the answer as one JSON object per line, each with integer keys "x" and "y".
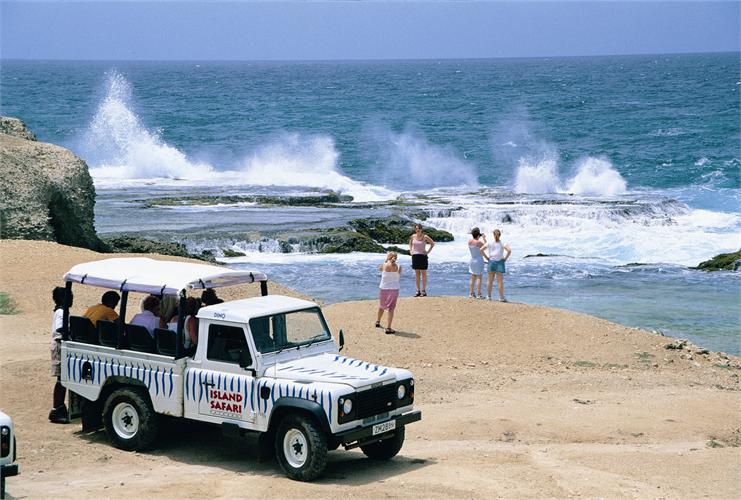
{"x": 625, "y": 169}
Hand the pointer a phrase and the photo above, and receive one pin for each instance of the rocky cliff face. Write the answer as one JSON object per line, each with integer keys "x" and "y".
{"x": 46, "y": 192}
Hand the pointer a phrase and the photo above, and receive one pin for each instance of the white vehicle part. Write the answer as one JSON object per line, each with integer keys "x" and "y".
{"x": 85, "y": 370}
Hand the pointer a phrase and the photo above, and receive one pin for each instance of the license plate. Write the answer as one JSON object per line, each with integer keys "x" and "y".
{"x": 384, "y": 427}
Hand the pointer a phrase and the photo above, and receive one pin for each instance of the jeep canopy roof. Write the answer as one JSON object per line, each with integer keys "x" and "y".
{"x": 164, "y": 277}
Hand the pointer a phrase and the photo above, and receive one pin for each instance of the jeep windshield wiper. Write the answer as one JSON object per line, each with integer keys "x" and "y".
{"x": 317, "y": 337}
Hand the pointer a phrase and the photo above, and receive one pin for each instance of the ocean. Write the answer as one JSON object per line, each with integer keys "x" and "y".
{"x": 624, "y": 170}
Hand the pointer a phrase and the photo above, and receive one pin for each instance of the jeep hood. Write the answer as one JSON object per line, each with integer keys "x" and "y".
{"x": 333, "y": 368}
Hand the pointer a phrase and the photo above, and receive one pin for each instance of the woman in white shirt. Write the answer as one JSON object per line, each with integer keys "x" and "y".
{"x": 499, "y": 252}
{"x": 390, "y": 274}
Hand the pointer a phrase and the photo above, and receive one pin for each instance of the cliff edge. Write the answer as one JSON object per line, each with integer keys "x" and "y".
{"x": 46, "y": 192}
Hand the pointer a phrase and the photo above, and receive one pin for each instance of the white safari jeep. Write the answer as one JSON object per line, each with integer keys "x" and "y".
{"x": 7, "y": 451}
{"x": 266, "y": 364}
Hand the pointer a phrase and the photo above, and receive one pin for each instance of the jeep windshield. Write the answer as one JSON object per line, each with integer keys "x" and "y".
{"x": 285, "y": 330}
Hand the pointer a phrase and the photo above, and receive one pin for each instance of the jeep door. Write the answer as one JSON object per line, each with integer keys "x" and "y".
{"x": 217, "y": 389}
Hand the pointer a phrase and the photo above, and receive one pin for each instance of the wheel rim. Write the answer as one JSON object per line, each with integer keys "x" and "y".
{"x": 295, "y": 448}
{"x": 125, "y": 420}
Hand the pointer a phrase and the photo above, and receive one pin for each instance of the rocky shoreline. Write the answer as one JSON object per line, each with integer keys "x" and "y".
{"x": 48, "y": 194}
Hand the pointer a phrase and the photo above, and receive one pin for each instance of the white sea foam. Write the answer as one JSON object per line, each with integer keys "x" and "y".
{"x": 121, "y": 150}
{"x": 649, "y": 232}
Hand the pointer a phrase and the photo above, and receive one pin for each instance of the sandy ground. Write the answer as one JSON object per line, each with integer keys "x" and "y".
{"x": 517, "y": 402}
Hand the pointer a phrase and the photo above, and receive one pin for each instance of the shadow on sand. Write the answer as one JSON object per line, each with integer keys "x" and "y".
{"x": 197, "y": 443}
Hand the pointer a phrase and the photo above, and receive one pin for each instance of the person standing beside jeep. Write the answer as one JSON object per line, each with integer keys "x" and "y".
{"x": 105, "y": 310}
{"x": 418, "y": 249}
{"x": 58, "y": 413}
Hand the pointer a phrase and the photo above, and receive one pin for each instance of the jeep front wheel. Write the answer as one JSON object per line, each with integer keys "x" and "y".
{"x": 386, "y": 448}
{"x": 301, "y": 448}
{"x": 130, "y": 419}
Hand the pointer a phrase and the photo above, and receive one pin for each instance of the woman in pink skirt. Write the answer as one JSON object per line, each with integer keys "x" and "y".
{"x": 390, "y": 273}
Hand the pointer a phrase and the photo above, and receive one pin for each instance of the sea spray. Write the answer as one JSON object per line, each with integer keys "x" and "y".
{"x": 409, "y": 161}
{"x": 121, "y": 150}
{"x": 596, "y": 177}
{"x": 118, "y": 146}
{"x": 293, "y": 159}
{"x": 537, "y": 177}
{"x": 593, "y": 177}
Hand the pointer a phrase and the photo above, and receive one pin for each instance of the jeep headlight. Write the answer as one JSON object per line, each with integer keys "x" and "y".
{"x": 401, "y": 391}
{"x": 345, "y": 406}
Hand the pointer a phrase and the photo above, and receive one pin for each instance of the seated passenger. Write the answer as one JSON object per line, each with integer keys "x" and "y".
{"x": 104, "y": 310}
{"x": 209, "y": 298}
{"x": 190, "y": 330}
{"x": 190, "y": 327}
{"x": 150, "y": 315}
{"x": 168, "y": 307}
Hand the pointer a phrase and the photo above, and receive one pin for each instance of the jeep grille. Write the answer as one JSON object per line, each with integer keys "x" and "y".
{"x": 375, "y": 401}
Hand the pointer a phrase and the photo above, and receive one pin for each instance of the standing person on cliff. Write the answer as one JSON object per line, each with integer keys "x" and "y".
{"x": 499, "y": 252}
{"x": 418, "y": 249}
{"x": 58, "y": 413}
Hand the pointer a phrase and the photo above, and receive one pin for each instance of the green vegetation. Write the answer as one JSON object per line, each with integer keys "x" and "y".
{"x": 724, "y": 261}
{"x": 232, "y": 253}
{"x": 585, "y": 364}
{"x": 644, "y": 357}
{"x": 7, "y": 304}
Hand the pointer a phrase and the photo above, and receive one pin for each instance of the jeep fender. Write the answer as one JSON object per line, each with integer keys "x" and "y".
{"x": 288, "y": 405}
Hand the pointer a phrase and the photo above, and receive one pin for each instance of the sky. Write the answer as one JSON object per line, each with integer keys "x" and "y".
{"x": 331, "y": 30}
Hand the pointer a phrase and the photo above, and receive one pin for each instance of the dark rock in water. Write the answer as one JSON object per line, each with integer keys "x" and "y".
{"x": 319, "y": 200}
{"x": 232, "y": 253}
{"x": 394, "y": 248}
{"x": 46, "y": 191}
{"x": 136, "y": 244}
{"x": 395, "y": 229}
{"x": 724, "y": 261}
{"x": 507, "y": 219}
{"x": 341, "y": 241}
{"x": 543, "y": 255}
{"x": 633, "y": 264}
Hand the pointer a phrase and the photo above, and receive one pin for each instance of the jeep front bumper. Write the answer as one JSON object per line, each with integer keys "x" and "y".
{"x": 365, "y": 434}
{"x": 9, "y": 470}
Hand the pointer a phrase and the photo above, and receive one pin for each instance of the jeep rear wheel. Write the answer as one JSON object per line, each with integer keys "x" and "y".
{"x": 130, "y": 419}
{"x": 301, "y": 448}
{"x": 386, "y": 448}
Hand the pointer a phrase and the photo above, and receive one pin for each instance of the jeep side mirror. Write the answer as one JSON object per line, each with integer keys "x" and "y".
{"x": 342, "y": 339}
{"x": 245, "y": 359}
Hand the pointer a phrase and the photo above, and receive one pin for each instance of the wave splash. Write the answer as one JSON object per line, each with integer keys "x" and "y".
{"x": 121, "y": 149}
{"x": 593, "y": 177}
{"x": 119, "y": 146}
{"x": 409, "y": 160}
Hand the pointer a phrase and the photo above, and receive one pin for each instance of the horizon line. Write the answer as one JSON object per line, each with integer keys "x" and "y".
{"x": 392, "y": 59}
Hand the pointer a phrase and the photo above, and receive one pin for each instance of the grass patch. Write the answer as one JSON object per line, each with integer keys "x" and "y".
{"x": 644, "y": 357}
{"x": 7, "y": 304}
{"x": 585, "y": 364}
{"x": 715, "y": 444}
{"x": 722, "y": 367}
{"x": 611, "y": 366}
